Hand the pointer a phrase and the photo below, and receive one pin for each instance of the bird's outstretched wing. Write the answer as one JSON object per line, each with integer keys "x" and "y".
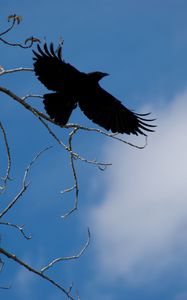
{"x": 108, "y": 112}
{"x": 52, "y": 71}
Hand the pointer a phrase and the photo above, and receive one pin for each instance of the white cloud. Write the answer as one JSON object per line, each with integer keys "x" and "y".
{"x": 143, "y": 216}
{"x": 26, "y": 280}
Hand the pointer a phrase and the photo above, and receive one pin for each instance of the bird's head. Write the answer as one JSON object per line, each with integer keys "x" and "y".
{"x": 97, "y": 76}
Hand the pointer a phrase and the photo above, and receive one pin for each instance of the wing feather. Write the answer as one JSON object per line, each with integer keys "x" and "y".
{"x": 58, "y": 107}
{"x": 108, "y": 112}
{"x": 52, "y": 71}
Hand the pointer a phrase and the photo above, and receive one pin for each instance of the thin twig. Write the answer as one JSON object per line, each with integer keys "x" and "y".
{"x": 100, "y": 165}
{"x": 20, "y": 228}
{"x": 24, "y": 185}
{"x": 27, "y": 43}
{"x": 68, "y": 190}
{"x": 31, "y": 269}
{"x": 15, "y": 199}
{"x": 9, "y": 28}
{"x": 25, "y": 104}
{"x": 52, "y": 263}
{"x": 72, "y": 165}
{"x": 4, "y": 72}
{"x": 111, "y": 135}
{"x": 31, "y": 96}
{"x": 31, "y": 41}
{"x": 7, "y": 175}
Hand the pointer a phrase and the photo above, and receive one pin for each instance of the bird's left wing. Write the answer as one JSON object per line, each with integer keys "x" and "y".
{"x": 52, "y": 71}
{"x": 108, "y": 112}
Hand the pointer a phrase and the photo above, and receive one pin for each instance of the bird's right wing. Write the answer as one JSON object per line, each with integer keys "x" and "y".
{"x": 108, "y": 112}
{"x": 52, "y": 71}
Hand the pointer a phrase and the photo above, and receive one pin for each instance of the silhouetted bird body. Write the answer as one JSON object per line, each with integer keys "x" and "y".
{"x": 73, "y": 87}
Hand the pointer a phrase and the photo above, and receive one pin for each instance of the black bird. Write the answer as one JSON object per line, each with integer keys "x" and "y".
{"x": 73, "y": 87}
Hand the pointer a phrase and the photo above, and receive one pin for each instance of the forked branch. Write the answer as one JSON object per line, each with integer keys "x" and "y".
{"x": 16, "y": 20}
{"x": 35, "y": 271}
{"x": 25, "y": 185}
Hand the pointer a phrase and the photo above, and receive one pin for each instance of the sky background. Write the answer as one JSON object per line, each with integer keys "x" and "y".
{"x": 137, "y": 209}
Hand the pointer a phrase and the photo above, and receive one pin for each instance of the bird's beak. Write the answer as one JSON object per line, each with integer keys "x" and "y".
{"x": 105, "y": 74}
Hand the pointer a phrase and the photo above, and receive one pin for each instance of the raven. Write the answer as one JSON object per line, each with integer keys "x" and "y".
{"x": 72, "y": 87}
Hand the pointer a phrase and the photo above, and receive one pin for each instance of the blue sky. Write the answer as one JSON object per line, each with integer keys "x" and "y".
{"x": 136, "y": 209}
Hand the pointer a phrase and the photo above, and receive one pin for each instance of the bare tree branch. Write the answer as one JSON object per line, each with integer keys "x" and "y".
{"x": 24, "y": 185}
{"x": 10, "y": 27}
{"x": 68, "y": 190}
{"x": 31, "y": 41}
{"x": 20, "y": 228}
{"x": 52, "y": 263}
{"x": 7, "y": 175}
{"x": 72, "y": 157}
{"x": 15, "y": 199}
{"x": 4, "y": 72}
{"x": 31, "y": 96}
{"x": 15, "y": 19}
{"x": 39, "y": 273}
{"x": 25, "y": 104}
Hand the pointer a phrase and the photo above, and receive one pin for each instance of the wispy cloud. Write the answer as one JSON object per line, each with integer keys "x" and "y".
{"x": 140, "y": 224}
{"x": 24, "y": 281}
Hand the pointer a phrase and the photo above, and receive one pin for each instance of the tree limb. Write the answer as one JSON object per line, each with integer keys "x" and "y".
{"x": 24, "y": 185}
{"x": 31, "y": 269}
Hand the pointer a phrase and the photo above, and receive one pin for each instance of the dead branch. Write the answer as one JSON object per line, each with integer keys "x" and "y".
{"x": 52, "y": 263}
{"x": 72, "y": 165}
{"x": 110, "y": 135}
{"x": 31, "y": 96}
{"x": 24, "y": 185}
{"x": 7, "y": 175}
{"x": 20, "y": 228}
{"x": 25, "y": 104}
{"x": 4, "y": 72}
{"x": 39, "y": 273}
